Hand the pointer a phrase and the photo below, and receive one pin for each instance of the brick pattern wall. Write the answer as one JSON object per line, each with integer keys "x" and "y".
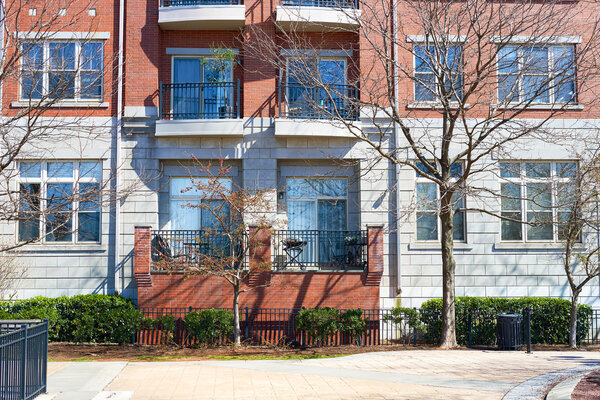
{"x": 286, "y": 290}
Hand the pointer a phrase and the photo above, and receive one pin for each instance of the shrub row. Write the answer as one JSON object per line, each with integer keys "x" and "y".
{"x": 93, "y": 318}
{"x": 320, "y": 324}
{"x": 549, "y": 318}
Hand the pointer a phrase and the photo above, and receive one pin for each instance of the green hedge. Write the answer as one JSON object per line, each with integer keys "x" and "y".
{"x": 209, "y": 326}
{"x": 93, "y": 318}
{"x": 322, "y": 323}
{"x": 549, "y": 318}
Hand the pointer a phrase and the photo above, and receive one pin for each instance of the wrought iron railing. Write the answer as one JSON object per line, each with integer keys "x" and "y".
{"x": 176, "y": 249}
{"x": 311, "y": 102}
{"x": 23, "y": 360}
{"x": 184, "y": 3}
{"x": 322, "y": 3}
{"x": 209, "y": 100}
{"x": 314, "y": 249}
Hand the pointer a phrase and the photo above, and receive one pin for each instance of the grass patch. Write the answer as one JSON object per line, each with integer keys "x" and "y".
{"x": 275, "y": 356}
{"x": 83, "y": 359}
{"x": 161, "y": 358}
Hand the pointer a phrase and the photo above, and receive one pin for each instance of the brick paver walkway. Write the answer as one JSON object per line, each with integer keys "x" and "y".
{"x": 414, "y": 374}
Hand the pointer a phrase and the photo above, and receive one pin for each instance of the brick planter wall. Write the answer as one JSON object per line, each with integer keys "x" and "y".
{"x": 288, "y": 289}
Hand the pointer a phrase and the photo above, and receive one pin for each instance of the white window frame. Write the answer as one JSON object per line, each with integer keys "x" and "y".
{"x": 76, "y": 180}
{"x": 522, "y": 180}
{"x": 551, "y": 74}
{"x": 190, "y": 198}
{"x": 78, "y": 69}
{"x": 315, "y": 200}
{"x": 437, "y": 83}
{"x": 420, "y": 178}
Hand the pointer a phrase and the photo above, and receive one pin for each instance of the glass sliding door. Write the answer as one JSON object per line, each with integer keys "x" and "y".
{"x": 187, "y": 75}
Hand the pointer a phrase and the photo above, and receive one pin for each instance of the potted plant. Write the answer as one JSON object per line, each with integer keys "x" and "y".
{"x": 219, "y": 67}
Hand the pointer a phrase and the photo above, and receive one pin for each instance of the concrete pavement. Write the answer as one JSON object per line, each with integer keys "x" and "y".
{"x": 411, "y": 374}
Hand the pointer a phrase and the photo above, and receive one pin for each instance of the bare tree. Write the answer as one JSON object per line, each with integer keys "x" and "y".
{"x": 237, "y": 224}
{"x": 446, "y": 88}
{"x": 579, "y": 228}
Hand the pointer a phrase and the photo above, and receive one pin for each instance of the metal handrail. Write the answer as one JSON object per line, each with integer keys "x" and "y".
{"x": 316, "y": 102}
{"x": 322, "y": 3}
{"x": 205, "y": 100}
{"x": 184, "y": 3}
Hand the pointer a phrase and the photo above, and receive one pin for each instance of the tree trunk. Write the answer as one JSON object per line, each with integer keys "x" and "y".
{"x": 237, "y": 333}
{"x": 573, "y": 320}
{"x": 448, "y": 339}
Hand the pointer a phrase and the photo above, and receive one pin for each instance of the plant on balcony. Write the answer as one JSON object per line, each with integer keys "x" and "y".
{"x": 219, "y": 67}
{"x": 241, "y": 227}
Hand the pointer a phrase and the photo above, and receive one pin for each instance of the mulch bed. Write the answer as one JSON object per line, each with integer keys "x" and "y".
{"x": 115, "y": 352}
{"x": 588, "y": 388}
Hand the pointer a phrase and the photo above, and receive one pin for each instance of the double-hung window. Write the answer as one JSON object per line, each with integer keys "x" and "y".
{"x": 317, "y": 213}
{"x": 536, "y": 74}
{"x": 438, "y": 73}
{"x": 65, "y": 70}
{"x": 316, "y": 88}
{"x": 428, "y": 207}
{"x": 535, "y": 199}
{"x": 60, "y": 201}
{"x": 202, "y": 88}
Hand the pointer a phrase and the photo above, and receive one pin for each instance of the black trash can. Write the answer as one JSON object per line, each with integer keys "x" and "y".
{"x": 509, "y": 331}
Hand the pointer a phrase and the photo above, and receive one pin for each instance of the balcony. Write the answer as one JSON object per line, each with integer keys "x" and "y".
{"x": 201, "y": 14}
{"x": 196, "y": 109}
{"x": 318, "y": 15}
{"x": 320, "y": 250}
{"x": 316, "y": 111}
{"x": 178, "y": 249}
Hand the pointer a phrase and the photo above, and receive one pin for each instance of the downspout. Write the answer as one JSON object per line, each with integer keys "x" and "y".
{"x": 119, "y": 127}
{"x": 396, "y": 143}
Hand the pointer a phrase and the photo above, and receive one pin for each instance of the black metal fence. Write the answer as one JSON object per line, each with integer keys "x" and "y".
{"x": 308, "y": 102}
{"x": 322, "y": 250}
{"x": 23, "y": 359}
{"x": 277, "y": 326}
{"x": 208, "y": 100}
{"x": 184, "y": 3}
{"x": 180, "y": 247}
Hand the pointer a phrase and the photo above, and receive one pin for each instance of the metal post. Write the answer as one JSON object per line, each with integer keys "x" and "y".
{"x": 279, "y": 97}
{"x": 160, "y": 100}
{"x": 23, "y": 360}
{"x": 45, "y": 361}
{"x": 470, "y": 325}
{"x": 528, "y": 328}
{"x": 246, "y": 323}
{"x": 415, "y": 331}
{"x": 238, "y": 99}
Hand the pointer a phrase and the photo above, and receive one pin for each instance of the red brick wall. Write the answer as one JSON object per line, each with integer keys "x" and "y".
{"x": 286, "y": 289}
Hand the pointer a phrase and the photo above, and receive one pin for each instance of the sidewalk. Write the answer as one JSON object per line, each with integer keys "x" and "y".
{"x": 414, "y": 374}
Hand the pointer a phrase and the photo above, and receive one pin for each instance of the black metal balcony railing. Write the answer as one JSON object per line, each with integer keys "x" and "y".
{"x": 306, "y": 102}
{"x": 214, "y": 100}
{"x": 177, "y": 248}
{"x": 322, "y": 3}
{"x": 320, "y": 249}
{"x": 184, "y": 3}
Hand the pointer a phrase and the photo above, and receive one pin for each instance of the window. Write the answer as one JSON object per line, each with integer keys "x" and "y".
{"x": 536, "y": 193}
{"x": 316, "y": 88}
{"x": 318, "y": 205}
{"x": 536, "y": 74}
{"x": 185, "y": 204}
{"x": 434, "y": 71}
{"x": 202, "y": 88}
{"x": 428, "y": 221}
{"x": 60, "y": 201}
{"x": 62, "y": 69}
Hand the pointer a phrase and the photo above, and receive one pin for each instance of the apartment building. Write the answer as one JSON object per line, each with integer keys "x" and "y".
{"x": 338, "y": 241}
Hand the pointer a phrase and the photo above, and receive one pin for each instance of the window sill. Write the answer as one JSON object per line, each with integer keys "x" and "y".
{"x": 531, "y": 246}
{"x": 426, "y": 105}
{"x": 43, "y": 247}
{"x": 61, "y": 104}
{"x": 438, "y": 246}
{"x": 549, "y": 107}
